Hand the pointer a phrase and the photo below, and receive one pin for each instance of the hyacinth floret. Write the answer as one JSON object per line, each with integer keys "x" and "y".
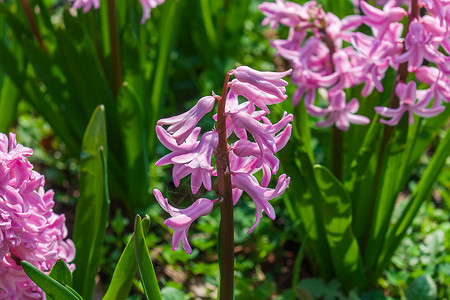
{"x": 29, "y": 228}
{"x": 246, "y": 156}
{"x": 321, "y": 61}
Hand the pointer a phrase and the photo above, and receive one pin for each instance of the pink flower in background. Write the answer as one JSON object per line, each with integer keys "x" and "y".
{"x": 342, "y": 113}
{"x": 408, "y": 96}
{"x": 324, "y": 65}
{"x": 86, "y": 4}
{"x": 29, "y": 229}
{"x": 192, "y": 157}
{"x": 147, "y": 6}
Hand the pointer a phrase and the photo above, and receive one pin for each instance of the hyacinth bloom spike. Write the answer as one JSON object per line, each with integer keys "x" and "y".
{"x": 408, "y": 96}
{"x": 29, "y": 229}
{"x": 181, "y": 219}
{"x": 181, "y": 126}
{"x": 192, "y": 157}
{"x": 261, "y": 196}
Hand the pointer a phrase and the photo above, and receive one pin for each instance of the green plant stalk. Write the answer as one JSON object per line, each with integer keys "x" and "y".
{"x": 401, "y": 76}
{"x": 337, "y": 154}
{"x": 226, "y": 263}
{"x": 32, "y": 21}
{"x": 115, "y": 47}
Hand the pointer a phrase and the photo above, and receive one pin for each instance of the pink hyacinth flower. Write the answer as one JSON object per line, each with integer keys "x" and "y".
{"x": 86, "y": 4}
{"x": 181, "y": 219}
{"x": 380, "y": 20}
{"x": 197, "y": 162}
{"x": 440, "y": 84}
{"x": 147, "y": 6}
{"x": 286, "y": 13}
{"x": 408, "y": 96}
{"x": 418, "y": 46}
{"x": 182, "y": 125}
{"x": 170, "y": 143}
{"x": 29, "y": 229}
{"x": 261, "y": 196}
{"x": 342, "y": 113}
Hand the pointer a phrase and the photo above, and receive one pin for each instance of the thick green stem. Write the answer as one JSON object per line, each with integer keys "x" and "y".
{"x": 226, "y": 209}
{"x": 32, "y": 22}
{"x": 337, "y": 153}
{"x": 115, "y": 47}
{"x": 401, "y": 76}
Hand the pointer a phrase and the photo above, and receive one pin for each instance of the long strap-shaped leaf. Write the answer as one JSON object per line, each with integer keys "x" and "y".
{"x": 337, "y": 217}
{"x": 144, "y": 262}
{"x": 52, "y": 288}
{"x": 417, "y": 198}
{"x": 125, "y": 270}
{"x": 91, "y": 215}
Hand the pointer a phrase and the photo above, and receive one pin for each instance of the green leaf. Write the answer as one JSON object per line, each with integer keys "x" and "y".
{"x": 8, "y": 104}
{"x": 304, "y": 198}
{"x": 144, "y": 262}
{"x": 52, "y": 288}
{"x": 337, "y": 217}
{"x": 123, "y": 275}
{"x": 134, "y": 138}
{"x": 61, "y": 273}
{"x": 418, "y": 196}
{"x": 91, "y": 217}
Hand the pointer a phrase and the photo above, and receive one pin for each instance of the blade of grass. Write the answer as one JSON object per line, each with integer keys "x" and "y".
{"x": 144, "y": 262}
{"x": 124, "y": 273}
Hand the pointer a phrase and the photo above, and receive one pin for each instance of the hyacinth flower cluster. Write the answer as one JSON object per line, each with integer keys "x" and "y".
{"x": 147, "y": 6}
{"x": 257, "y": 139}
{"x": 329, "y": 56}
{"x": 29, "y": 229}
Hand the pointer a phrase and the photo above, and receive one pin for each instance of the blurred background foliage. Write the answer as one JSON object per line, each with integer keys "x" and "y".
{"x": 51, "y": 83}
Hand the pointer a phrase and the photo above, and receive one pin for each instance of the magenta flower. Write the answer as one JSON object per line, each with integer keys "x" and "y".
{"x": 86, "y": 4}
{"x": 29, "y": 229}
{"x": 182, "y": 219}
{"x": 408, "y": 103}
{"x": 342, "y": 113}
{"x": 192, "y": 157}
{"x": 182, "y": 125}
